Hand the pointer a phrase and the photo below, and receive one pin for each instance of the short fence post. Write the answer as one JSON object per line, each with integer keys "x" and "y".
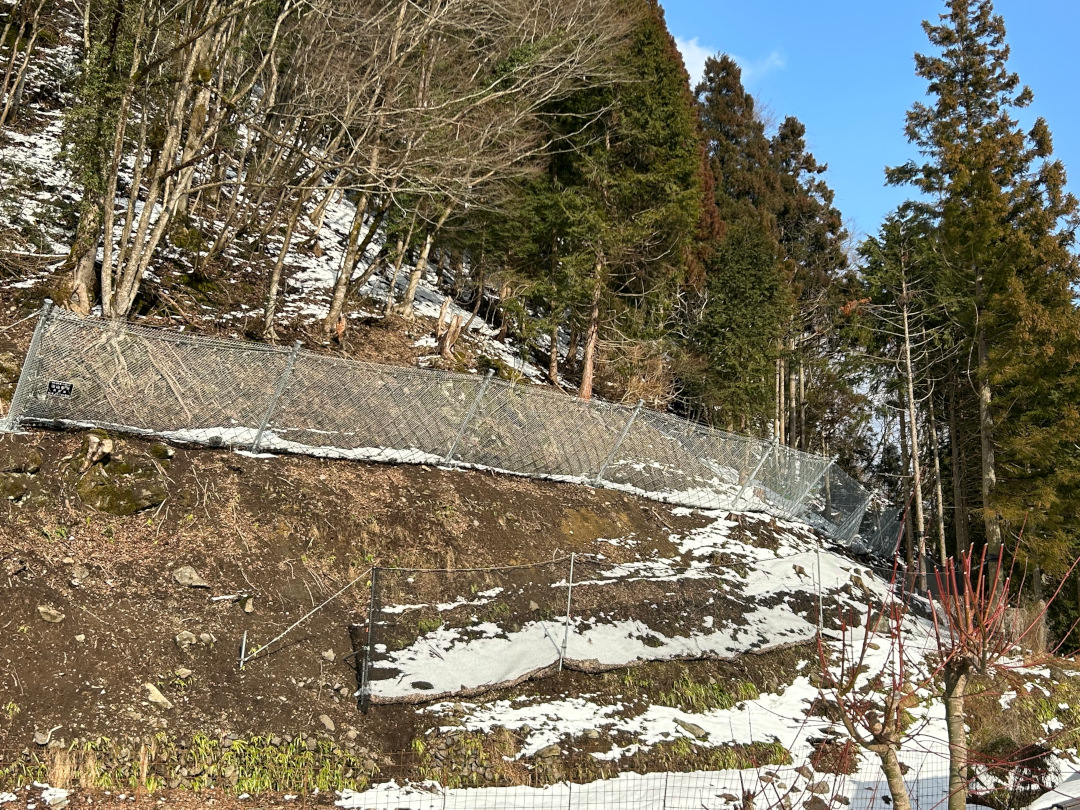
{"x": 468, "y": 416}
{"x": 615, "y": 449}
{"x": 279, "y": 389}
{"x": 566, "y": 628}
{"x": 28, "y": 374}
{"x": 753, "y": 475}
{"x": 365, "y": 665}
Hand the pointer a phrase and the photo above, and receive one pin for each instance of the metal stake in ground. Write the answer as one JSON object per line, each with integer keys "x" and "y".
{"x": 365, "y": 665}
{"x": 566, "y": 628}
{"x": 468, "y": 416}
{"x": 626, "y": 429}
{"x": 28, "y": 375}
{"x": 279, "y": 389}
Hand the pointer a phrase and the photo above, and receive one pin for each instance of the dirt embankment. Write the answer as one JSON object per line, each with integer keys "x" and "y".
{"x": 282, "y": 535}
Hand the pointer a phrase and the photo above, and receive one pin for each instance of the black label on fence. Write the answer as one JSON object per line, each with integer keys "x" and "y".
{"x": 60, "y": 389}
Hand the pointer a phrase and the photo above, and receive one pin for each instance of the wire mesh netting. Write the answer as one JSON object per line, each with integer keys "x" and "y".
{"x": 93, "y": 372}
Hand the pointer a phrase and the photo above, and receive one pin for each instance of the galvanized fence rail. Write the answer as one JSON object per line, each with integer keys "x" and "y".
{"x": 136, "y": 379}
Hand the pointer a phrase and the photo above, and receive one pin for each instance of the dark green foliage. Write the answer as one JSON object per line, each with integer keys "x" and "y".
{"x": 1004, "y": 274}
{"x": 740, "y": 327}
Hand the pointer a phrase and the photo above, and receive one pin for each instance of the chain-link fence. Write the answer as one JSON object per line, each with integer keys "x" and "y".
{"x": 110, "y": 374}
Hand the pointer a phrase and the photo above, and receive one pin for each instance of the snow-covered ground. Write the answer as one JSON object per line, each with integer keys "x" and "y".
{"x": 752, "y": 603}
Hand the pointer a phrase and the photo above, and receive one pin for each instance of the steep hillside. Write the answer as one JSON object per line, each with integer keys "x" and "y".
{"x": 98, "y": 529}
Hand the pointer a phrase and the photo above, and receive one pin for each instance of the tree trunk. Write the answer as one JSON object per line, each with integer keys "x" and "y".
{"x": 938, "y": 491}
{"x": 960, "y": 516}
{"x": 803, "y": 441}
{"x": 270, "y": 307}
{"x": 591, "y": 334}
{"x": 348, "y": 265}
{"x": 399, "y": 257}
{"x": 572, "y": 346}
{"x": 82, "y": 260}
{"x": 479, "y": 294}
{"x": 905, "y": 460}
{"x": 449, "y": 338}
{"x": 894, "y": 776}
{"x": 457, "y": 268}
{"x": 553, "y": 355}
{"x": 504, "y": 316}
{"x": 955, "y": 687}
{"x": 986, "y": 430}
{"x": 916, "y": 461}
{"x": 781, "y": 406}
{"x": 793, "y": 404}
{"x": 405, "y": 308}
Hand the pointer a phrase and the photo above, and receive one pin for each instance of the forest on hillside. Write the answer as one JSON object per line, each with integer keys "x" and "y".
{"x": 552, "y": 162}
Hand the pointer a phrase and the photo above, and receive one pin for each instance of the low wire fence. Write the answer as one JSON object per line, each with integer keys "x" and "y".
{"x": 863, "y": 787}
{"x": 110, "y": 374}
{"x": 433, "y": 634}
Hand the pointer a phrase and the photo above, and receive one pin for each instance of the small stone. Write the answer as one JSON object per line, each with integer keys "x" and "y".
{"x": 805, "y": 772}
{"x": 183, "y": 673}
{"x": 329, "y": 655}
{"x": 533, "y": 606}
{"x": 549, "y": 752}
{"x": 328, "y": 724}
{"x": 352, "y": 734}
{"x": 815, "y": 803}
{"x": 80, "y": 573}
{"x": 691, "y": 728}
{"x": 186, "y": 639}
{"x": 206, "y": 638}
{"x": 154, "y": 696}
{"x": 820, "y": 787}
{"x": 69, "y": 560}
{"x": 189, "y": 577}
{"x": 50, "y": 614}
{"x": 42, "y": 737}
{"x": 249, "y": 604}
{"x": 592, "y": 734}
{"x": 80, "y": 638}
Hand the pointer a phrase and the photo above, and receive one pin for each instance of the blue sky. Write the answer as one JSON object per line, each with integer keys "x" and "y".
{"x": 845, "y": 69}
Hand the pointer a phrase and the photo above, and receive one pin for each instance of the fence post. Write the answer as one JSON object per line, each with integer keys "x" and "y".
{"x": 29, "y": 373}
{"x": 615, "y": 449}
{"x": 279, "y": 389}
{"x": 566, "y": 627}
{"x": 365, "y": 666}
{"x": 757, "y": 469}
{"x": 468, "y": 416}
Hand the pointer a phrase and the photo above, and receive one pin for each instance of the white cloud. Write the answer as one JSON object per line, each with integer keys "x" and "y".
{"x": 757, "y": 69}
{"x": 694, "y": 55}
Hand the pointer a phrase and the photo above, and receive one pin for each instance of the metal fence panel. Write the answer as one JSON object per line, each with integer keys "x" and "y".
{"x": 93, "y": 372}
